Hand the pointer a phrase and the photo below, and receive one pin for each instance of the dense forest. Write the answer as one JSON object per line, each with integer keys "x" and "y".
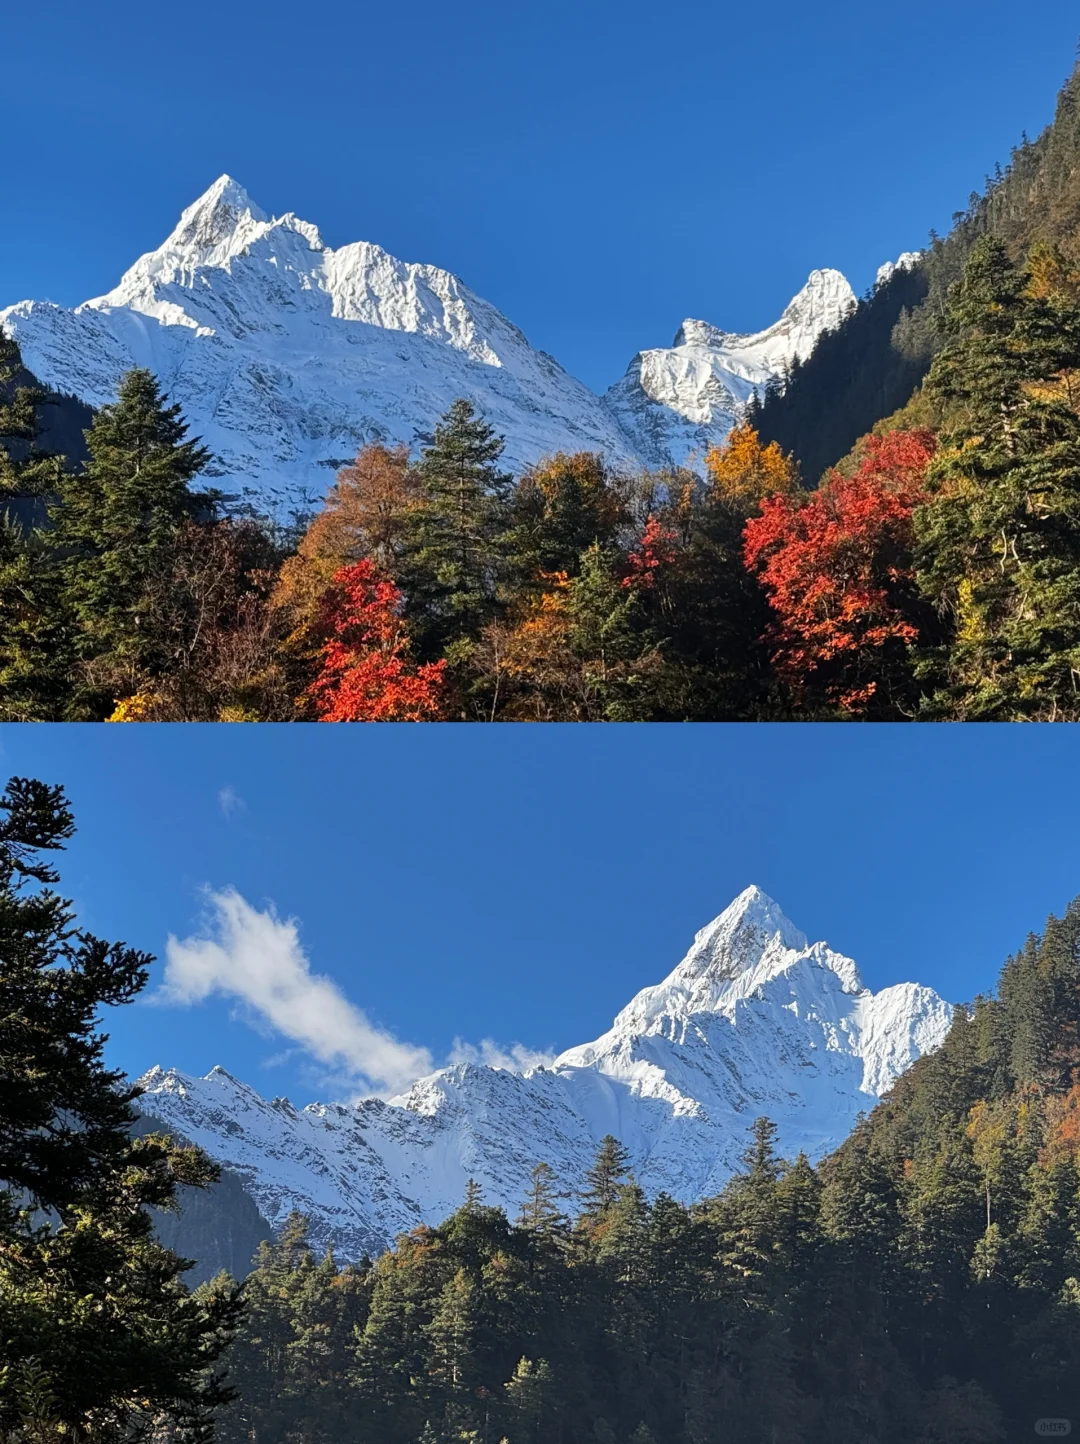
{"x": 933, "y": 573}
{"x": 922, "y": 1284}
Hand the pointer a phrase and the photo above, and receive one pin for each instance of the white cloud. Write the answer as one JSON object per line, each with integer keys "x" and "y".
{"x": 230, "y": 802}
{"x": 517, "y": 1058}
{"x": 257, "y": 958}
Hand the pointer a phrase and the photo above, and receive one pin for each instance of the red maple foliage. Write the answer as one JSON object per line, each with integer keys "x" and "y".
{"x": 367, "y": 674}
{"x": 836, "y": 567}
{"x": 655, "y": 550}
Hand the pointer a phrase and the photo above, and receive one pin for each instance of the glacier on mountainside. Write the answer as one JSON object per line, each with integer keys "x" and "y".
{"x": 754, "y": 1021}
{"x": 285, "y": 356}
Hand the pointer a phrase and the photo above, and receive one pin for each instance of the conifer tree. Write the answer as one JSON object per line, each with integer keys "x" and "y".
{"x": 115, "y": 527}
{"x": 101, "y": 1339}
{"x": 34, "y": 629}
{"x": 558, "y": 509}
{"x": 540, "y": 1212}
{"x": 24, "y": 470}
{"x": 450, "y": 556}
{"x": 529, "y": 1400}
{"x": 999, "y": 539}
{"x": 605, "y": 1178}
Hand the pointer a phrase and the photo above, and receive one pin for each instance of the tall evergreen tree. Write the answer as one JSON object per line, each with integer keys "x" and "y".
{"x": 115, "y": 527}
{"x": 100, "y": 1337}
{"x": 34, "y": 629}
{"x": 449, "y": 560}
{"x": 540, "y": 1211}
{"x": 605, "y": 1178}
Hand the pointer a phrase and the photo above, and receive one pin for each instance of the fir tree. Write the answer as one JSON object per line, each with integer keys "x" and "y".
{"x": 605, "y": 1178}
{"x": 115, "y": 529}
{"x": 529, "y": 1396}
{"x": 540, "y": 1212}
{"x": 100, "y": 1336}
{"x": 450, "y": 556}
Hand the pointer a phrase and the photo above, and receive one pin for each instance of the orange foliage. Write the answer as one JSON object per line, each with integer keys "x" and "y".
{"x": 745, "y": 472}
{"x": 367, "y": 675}
{"x": 363, "y": 516}
{"x": 1063, "y": 1123}
{"x": 836, "y": 567}
{"x": 542, "y": 629}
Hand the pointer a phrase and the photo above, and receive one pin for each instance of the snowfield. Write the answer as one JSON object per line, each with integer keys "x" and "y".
{"x": 286, "y": 356}
{"x": 754, "y": 1021}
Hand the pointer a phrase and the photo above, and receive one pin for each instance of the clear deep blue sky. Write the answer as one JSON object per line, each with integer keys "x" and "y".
{"x": 524, "y": 883}
{"x": 599, "y": 169}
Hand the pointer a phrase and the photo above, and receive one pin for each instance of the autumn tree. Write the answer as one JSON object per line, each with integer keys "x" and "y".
{"x": 367, "y": 674}
{"x": 837, "y": 568}
{"x": 745, "y": 472}
{"x": 364, "y": 517}
{"x": 221, "y": 640}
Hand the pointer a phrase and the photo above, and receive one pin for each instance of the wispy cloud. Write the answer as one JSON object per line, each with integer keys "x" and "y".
{"x": 516, "y": 1057}
{"x": 230, "y": 802}
{"x": 257, "y": 958}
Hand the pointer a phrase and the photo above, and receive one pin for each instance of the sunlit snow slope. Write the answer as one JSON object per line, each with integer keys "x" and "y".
{"x": 286, "y": 355}
{"x": 676, "y": 403}
{"x": 753, "y": 1021}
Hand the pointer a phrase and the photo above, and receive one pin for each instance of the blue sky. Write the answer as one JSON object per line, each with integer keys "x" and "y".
{"x": 599, "y": 169}
{"x": 521, "y": 884}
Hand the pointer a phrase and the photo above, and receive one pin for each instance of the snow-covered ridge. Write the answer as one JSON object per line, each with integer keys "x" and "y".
{"x": 286, "y": 355}
{"x": 678, "y": 402}
{"x": 755, "y": 1020}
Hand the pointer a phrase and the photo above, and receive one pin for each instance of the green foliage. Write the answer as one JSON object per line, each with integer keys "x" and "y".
{"x": 115, "y": 526}
{"x": 999, "y": 539}
{"x": 450, "y": 535}
{"x": 100, "y": 1336}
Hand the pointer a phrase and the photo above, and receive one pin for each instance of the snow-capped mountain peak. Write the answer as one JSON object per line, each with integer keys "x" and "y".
{"x": 224, "y": 215}
{"x": 286, "y": 355}
{"x": 747, "y": 946}
{"x": 753, "y": 1021}
{"x": 905, "y": 262}
{"x": 679, "y": 401}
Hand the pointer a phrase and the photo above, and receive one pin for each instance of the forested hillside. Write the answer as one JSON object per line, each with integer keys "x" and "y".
{"x": 869, "y": 366}
{"x": 921, "y": 1285}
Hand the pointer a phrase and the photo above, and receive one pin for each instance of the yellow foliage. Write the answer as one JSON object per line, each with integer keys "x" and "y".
{"x": 745, "y": 472}
{"x": 137, "y": 708}
{"x": 237, "y": 714}
{"x": 1049, "y": 275}
{"x": 969, "y": 625}
{"x": 544, "y": 624}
